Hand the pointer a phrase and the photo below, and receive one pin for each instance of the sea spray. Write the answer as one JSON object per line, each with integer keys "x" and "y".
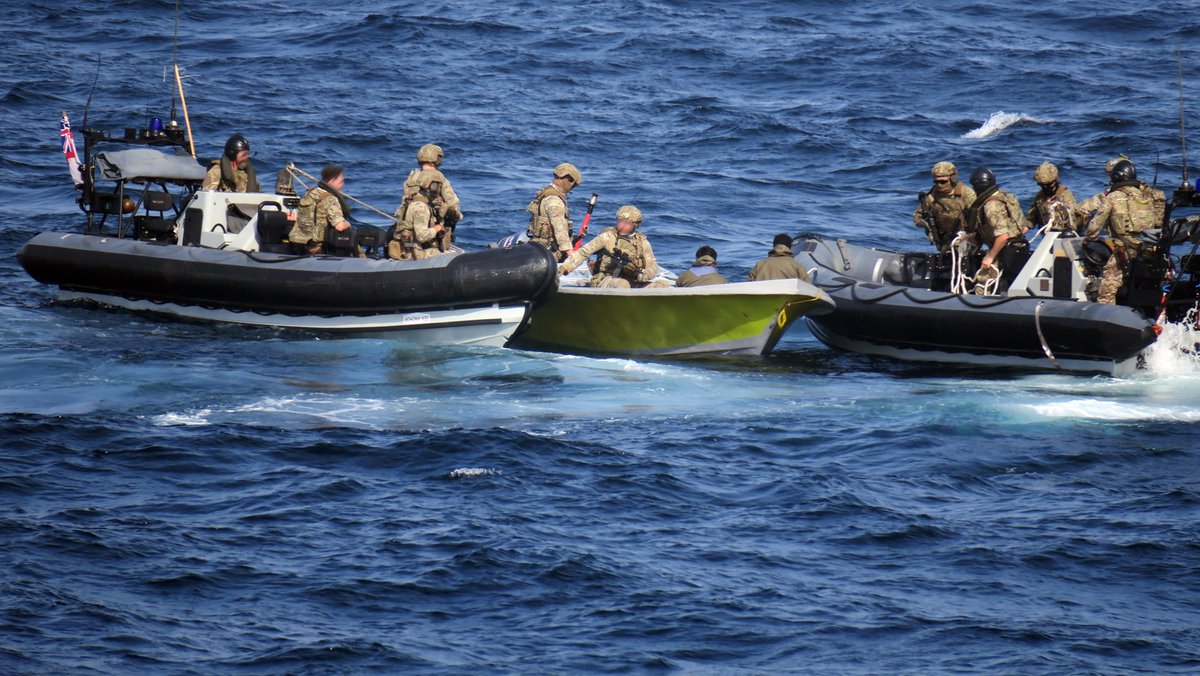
{"x": 998, "y": 122}
{"x": 1177, "y": 350}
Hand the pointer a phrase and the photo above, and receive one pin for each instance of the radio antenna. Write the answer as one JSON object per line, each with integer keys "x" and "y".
{"x": 1182, "y": 136}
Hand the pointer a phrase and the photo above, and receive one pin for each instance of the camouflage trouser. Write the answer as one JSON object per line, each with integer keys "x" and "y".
{"x": 1110, "y": 283}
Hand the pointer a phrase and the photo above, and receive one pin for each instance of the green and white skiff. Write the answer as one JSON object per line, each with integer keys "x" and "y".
{"x": 744, "y": 319}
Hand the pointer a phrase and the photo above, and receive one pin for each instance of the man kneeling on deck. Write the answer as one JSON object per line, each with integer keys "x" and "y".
{"x": 704, "y": 271}
{"x": 625, "y": 258}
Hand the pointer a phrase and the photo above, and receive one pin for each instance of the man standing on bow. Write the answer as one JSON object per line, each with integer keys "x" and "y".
{"x": 549, "y": 218}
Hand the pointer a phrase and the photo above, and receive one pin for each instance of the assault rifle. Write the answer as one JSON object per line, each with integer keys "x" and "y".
{"x": 927, "y": 220}
{"x": 617, "y": 260}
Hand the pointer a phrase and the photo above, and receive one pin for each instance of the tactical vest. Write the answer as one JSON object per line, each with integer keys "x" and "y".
{"x": 947, "y": 209}
{"x": 306, "y": 216}
{"x": 539, "y": 225}
{"x": 1130, "y": 216}
{"x": 414, "y": 193}
{"x": 1159, "y": 201}
{"x": 631, "y": 247}
{"x": 1043, "y": 206}
{"x": 986, "y": 229}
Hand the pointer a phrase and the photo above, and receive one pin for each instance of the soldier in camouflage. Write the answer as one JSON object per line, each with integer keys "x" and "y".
{"x": 994, "y": 219}
{"x": 319, "y": 209}
{"x": 947, "y": 200}
{"x": 1126, "y": 211}
{"x": 1054, "y": 203}
{"x": 1085, "y": 209}
{"x": 549, "y": 219}
{"x": 429, "y": 211}
{"x": 780, "y": 262}
{"x": 233, "y": 172}
{"x": 624, "y": 258}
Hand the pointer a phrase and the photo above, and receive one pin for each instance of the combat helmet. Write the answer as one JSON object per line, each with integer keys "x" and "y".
{"x": 1123, "y": 171}
{"x": 632, "y": 214}
{"x": 1108, "y": 166}
{"x": 430, "y": 153}
{"x": 982, "y": 179}
{"x": 1045, "y": 174}
{"x": 568, "y": 170}
{"x": 944, "y": 169}
{"x": 236, "y": 144}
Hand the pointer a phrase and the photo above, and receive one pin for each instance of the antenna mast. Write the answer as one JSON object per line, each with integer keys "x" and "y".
{"x": 1182, "y": 136}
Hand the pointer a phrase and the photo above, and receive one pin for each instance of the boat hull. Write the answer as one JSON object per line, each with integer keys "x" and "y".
{"x": 744, "y": 319}
{"x": 471, "y": 298}
{"x": 875, "y": 317}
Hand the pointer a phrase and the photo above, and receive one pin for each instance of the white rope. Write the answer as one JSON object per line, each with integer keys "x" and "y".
{"x": 960, "y": 248}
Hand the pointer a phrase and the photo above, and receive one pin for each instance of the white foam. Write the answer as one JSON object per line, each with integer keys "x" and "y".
{"x": 1113, "y": 410}
{"x": 188, "y": 419}
{"x": 1174, "y": 353}
{"x": 999, "y": 121}
{"x": 469, "y": 472}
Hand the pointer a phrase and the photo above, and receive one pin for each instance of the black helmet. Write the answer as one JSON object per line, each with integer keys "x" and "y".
{"x": 982, "y": 179}
{"x": 1123, "y": 171}
{"x": 235, "y": 145}
{"x": 782, "y": 238}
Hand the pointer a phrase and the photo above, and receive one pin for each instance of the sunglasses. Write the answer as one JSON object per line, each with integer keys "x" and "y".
{"x": 941, "y": 181}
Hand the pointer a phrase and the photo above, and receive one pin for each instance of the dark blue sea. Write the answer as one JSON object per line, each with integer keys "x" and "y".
{"x": 194, "y": 499}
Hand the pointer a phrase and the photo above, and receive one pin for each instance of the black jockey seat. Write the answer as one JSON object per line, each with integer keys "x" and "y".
{"x": 155, "y": 228}
{"x": 273, "y": 229}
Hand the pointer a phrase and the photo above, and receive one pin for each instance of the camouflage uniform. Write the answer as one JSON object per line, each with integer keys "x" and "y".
{"x": 1125, "y": 212}
{"x": 637, "y": 273}
{"x": 429, "y": 201}
{"x": 550, "y": 221}
{"x": 702, "y": 273}
{"x": 319, "y": 210}
{"x": 1000, "y": 214}
{"x": 214, "y": 181}
{"x": 780, "y": 263}
{"x": 947, "y": 206}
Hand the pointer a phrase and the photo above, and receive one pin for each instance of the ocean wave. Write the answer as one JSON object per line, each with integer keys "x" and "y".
{"x": 999, "y": 121}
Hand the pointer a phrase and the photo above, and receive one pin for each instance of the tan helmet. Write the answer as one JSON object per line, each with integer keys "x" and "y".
{"x": 430, "y": 153}
{"x": 1045, "y": 173}
{"x": 944, "y": 169}
{"x": 630, "y": 213}
{"x": 1108, "y": 167}
{"x": 568, "y": 170}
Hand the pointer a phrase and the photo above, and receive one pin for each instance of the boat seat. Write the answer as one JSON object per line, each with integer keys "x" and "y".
{"x": 371, "y": 238}
{"x": 156, "y": 228}
{"x": 273, "y": 228}
{"x": 155, "y": 200}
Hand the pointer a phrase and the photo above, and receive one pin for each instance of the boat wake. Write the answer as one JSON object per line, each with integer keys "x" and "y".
{"x": 998, "y": 122}
{"x": 1176, "y": 352}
